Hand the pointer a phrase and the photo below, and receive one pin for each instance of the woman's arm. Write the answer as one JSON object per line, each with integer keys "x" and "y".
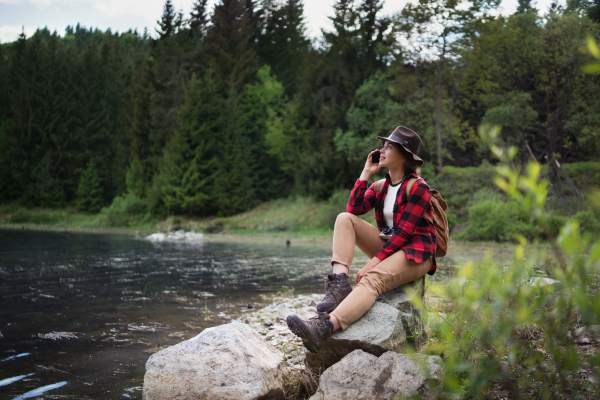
{"x": 362, "y": 198}
{"x": 411, "y": 217}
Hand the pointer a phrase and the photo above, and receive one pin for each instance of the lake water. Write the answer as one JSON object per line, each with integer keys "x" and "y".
{"x": 81, "y": 313}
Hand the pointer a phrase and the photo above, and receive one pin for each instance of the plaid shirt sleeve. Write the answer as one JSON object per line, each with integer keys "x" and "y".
{"x": 410, "y": 219}
{"x": 362, "y": 198}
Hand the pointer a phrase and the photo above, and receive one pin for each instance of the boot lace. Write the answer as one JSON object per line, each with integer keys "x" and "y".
{"x": 320, "y": 321}
{"x": 332, "y": 289}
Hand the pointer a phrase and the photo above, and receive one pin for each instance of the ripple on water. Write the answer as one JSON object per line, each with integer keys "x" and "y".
{"x": 40, "y": 391}
{"x": 8, "y": 381}
{"x": 16, "y": 356}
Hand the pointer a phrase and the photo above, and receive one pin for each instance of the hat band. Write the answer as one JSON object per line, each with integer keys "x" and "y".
{"x": 403, "y": 142}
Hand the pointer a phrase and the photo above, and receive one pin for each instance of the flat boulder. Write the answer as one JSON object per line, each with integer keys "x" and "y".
{"x": 363, "y": 376}
{"x": 393, "y": 323}
{"x": 226, "y": 362}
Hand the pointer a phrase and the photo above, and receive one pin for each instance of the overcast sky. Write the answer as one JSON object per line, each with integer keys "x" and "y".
{"x": 121, "y": 15}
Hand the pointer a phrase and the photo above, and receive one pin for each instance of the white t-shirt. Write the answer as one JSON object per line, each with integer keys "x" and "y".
{"x": 388, "y": 204}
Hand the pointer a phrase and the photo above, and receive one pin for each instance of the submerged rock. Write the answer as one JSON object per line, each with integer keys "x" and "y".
{"x": 225, "y": 362}
{"x": 392, "y": 324}
{"x": 363, "y": 376}
{"x": 178, "y": 236}
{"x": 58, "y": 335}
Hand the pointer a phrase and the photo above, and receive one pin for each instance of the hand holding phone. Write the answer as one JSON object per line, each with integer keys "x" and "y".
{"x": 375, "y": 157}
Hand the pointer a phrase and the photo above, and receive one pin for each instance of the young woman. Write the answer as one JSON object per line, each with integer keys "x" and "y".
{"x": 401, "y": 248}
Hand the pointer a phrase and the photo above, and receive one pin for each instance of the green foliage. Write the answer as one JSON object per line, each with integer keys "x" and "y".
{"x": 588, "y": 222}
{"x": 594, "y": 51}
{"x": 507, "y": 330}
{"x": 457, "y": 186}
{"x": 20, "y": 215}
{"x": 123, "y": 210}
{"x": 298, "y": 118}
{"x": 262, "y": 103}
{"x": 187, "y": 175}
{"x": 89, "y": 193}
{"x": 135, "y": 179}
{"x": 498, "y": 220}
{"x": 513, "y": 112}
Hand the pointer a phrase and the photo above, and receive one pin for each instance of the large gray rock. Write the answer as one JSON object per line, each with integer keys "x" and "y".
{"x": 392, "y": 324}
{"x": 363, "y": 376}
{"x": 221, "y": 363}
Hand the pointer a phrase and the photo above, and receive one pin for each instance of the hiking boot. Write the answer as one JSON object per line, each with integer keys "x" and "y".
{"x": 313, "y": 332}
{"x": 338, "y": 288}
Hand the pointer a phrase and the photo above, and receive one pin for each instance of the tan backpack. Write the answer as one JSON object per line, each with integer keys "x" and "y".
{"x": 439, "y": 205}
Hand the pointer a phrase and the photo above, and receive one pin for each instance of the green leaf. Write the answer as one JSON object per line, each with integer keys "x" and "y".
{"x": 593, "y": 48}
{"x": 591, "y": 69}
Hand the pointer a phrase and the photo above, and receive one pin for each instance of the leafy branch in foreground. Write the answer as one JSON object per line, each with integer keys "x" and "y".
{"x": 511, "y": 328}
{"x": 594, "y": 50}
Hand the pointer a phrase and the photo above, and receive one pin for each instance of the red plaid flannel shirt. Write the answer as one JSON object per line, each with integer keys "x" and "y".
{"x": 412, "y": 232}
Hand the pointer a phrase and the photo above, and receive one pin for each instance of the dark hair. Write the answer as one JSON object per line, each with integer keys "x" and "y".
{"x": 411, "y": 166}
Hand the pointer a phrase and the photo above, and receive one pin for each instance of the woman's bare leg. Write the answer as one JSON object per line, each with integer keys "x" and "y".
{"x": 340, "y": 268}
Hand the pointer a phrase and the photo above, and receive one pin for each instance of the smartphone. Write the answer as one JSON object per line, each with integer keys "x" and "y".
{"x": 375, "y": 157}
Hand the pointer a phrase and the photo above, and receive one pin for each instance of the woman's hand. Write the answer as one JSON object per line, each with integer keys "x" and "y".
{"x": 370, "y": 169}
{"x": 370, "y": 265}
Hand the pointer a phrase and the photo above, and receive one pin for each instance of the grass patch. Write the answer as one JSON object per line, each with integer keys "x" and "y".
{"x": 71, "y": 219}
{"x": 299, "y": 384}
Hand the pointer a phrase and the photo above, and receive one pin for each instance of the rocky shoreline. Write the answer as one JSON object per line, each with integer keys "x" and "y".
{"x": 270, "y": 323}
{"x": 259, "y": 355}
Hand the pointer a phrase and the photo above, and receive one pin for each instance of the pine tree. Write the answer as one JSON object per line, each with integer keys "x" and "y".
{"x": 89, "y": 191}
{"x": 524, "y": 6}
{"x": 229, "y": 46}
{"x": 594, "y": 11}
{"x": 5, "y": 176}
{"x": 26, "y": 136}
{"x": 284, "y": 45}
{"x": 141, "y": 154}
{"x": 167, "y": 22}
{"x": 170, "y": 75}
{"x": 191, "y": 157}
{"x": 135, "y": 178}
{"x": 232, "y": 189}
{"x": 199, "y": 18}
{"x": 372, "y": 34}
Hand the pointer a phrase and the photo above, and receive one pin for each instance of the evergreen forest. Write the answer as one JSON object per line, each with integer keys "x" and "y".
{"x": 218, "y": 111}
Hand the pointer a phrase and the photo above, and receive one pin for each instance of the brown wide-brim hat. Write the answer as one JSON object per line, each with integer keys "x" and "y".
{"x": 406, "y": 138}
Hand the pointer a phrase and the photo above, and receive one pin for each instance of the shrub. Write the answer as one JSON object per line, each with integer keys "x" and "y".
{"x": 20, "y": 215}
{"x": 336, "y": 204}
{"x": 555, "y": 222}
{"x": 509, "y": 332}
{"x": 123, "y": 208}
{"x": 45, "y": 217}
{"x": 498, "y": 220}
{"x": 587, "y": 221}
{"x": 89, "y": 191}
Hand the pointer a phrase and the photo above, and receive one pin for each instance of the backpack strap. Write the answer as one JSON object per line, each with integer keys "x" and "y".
{"x": 409, "y": 185}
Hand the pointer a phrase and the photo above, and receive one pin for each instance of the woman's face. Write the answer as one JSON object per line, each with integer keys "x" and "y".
{"x": 390, "y": 156}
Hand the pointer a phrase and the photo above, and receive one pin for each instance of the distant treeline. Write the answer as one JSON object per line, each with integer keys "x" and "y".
{"x": 226, "y": 108}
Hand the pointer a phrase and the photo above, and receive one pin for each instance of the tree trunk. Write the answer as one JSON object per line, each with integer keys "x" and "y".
{"x": 438, "y": 128}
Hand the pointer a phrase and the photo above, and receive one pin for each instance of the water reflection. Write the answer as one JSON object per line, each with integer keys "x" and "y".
{"x": 89, "y": 309}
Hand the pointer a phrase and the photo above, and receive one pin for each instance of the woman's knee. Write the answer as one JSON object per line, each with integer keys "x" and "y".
{"x": 373, "y": 282}
{"x": 344, "y": 218}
